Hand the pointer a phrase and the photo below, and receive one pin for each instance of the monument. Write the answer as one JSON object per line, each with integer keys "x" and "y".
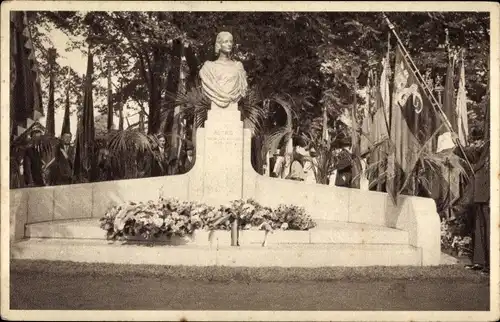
{"x": 224, "y": 80}
{"x": 355, "y": 227}
{"x": 221, "y": 152}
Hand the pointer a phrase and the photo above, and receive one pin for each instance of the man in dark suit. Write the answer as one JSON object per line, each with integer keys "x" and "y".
{"x": 344, "y": 168}
{"x": 64, "y": 158}
{"x": 159, "y": 162}
{"x": 480, "y": 211}
{"x": 189, "y": 161}
{"x": 33, "y": 165}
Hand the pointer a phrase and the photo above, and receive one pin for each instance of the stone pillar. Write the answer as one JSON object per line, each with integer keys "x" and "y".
{"x": 218, "y": 172}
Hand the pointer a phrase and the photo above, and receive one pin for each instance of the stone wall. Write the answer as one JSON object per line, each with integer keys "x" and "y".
{"x": 223, "y": 172}
{"x": 416, "y": 215}
{"x": 90, "y": 200}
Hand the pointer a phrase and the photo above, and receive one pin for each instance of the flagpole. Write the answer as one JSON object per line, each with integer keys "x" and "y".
{"x": 429, "y": 92}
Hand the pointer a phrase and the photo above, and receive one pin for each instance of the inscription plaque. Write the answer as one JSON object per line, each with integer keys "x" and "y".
{"x": 223, "y": 166}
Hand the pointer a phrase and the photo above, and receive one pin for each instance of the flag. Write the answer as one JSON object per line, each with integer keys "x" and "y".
{"x": 84, "y": 157}
{"x": 413, "y": 123}
{"x": 26, "y": 91}
{"x": 50, "y": 123}
{"x": 445, "y": 139}
{"x": 110, "y": 101}
{"x": 66, "y": 126}
{"x": 461, "y": 109}
{"x": 366, "y": 124}
{"x": 380, "y": 131}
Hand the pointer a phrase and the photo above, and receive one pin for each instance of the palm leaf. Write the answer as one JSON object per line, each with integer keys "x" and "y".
{"x": 273, "y": 139}
{"x": 253, "y": 110}
{"x": 129, "y": 140}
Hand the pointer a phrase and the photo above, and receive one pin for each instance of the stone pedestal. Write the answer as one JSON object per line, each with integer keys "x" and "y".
{"x": 220, "y": 156}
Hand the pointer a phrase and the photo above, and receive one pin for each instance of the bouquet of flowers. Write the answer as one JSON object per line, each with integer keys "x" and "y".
{"x": 452, "y": 237}
{"x": 173, "y": 217}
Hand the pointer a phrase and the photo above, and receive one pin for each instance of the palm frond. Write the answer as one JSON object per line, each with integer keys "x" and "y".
{"x": 252, "y": 107}
{"x": 274, "y": 138}
{"x": 286, "y": 105}
{"x": 178, "y": 137}
{"x": 192, "y": 103}
{"x": 130, "y": 140}
{"x": 326, "y": 156}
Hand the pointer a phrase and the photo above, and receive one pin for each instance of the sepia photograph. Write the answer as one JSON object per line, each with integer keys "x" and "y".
{"x": 249, "y": 161}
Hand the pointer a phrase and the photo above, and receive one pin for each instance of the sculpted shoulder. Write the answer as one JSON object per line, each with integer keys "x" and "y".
{"x": 239, "y": 65}
{"x": 206, "y": 66}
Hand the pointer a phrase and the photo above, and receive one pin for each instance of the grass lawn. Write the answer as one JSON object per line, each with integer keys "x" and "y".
{"x": 261, "y": 274}
{"x": 78, "y": 286}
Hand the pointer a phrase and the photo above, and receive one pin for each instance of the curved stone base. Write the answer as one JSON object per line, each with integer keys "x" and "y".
{"x": 222, "y": 173}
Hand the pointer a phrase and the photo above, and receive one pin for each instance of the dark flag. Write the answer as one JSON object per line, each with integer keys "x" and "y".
{"x": 413, "y": 123}
{"x": 50, "y": 123}
{"x": 461, "y": 108}
{"x": 66, "y": 126}
{"x": 26, "y": 103}
{"x": 445, "y": 139}
{"x": 85, "y": 155}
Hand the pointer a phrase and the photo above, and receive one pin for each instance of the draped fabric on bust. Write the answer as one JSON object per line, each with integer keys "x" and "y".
{"x": 223, "y": 82}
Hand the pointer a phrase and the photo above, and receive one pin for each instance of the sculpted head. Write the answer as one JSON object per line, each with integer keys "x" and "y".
{"x": 224, "y": 43}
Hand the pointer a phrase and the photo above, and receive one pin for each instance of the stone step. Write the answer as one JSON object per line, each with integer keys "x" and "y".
{"x": 280, "y": 255}
{"x": 326, "y": 232}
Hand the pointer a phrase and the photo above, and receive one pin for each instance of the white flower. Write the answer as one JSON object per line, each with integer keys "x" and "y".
{"x": 195, "y": 218}
{"x": 157, "y": 221}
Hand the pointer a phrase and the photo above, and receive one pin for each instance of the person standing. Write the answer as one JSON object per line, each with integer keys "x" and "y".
{"x": 32, "y": 164}
{"x": 279, "y": 164}
{"x": 64, "y": 158}
{"x": 272, "y": 162}
{"x": 480, "y": 210}
{"x": 104, "y": 165}
{"x": 189, "y": 160}
{"x": 297, "y": 167}
{"x": 172, "y": 164}
{"x": 344, "y": 168}
{"x": 160, "y": 160}
{"x": 310, "y": 166}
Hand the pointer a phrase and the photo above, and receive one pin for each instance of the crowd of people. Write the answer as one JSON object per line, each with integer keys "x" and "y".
{"x": 301, "y": 164}
{"x": 45, "y": 164}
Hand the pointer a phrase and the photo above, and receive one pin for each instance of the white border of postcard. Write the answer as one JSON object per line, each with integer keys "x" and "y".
{"x": 46, "y": 315}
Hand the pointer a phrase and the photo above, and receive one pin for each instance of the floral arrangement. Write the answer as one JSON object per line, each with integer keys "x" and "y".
{"x": 453, "y": 239}
{"x": 172, "y": 217}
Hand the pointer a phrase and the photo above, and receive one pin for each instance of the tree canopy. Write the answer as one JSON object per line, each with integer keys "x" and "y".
{"x": 307, "y": 57}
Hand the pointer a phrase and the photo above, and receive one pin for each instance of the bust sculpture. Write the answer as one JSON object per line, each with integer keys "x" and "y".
{"x": 224, "y": 80}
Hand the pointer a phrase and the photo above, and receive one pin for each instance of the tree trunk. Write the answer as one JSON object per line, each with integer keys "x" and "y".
{"x": 154, "y": 95}
{"x": 193, "y": 64}
{"x": 50, "y": 123}
{"x": 173, "y": 84}
{"x": 66, "y": 126}
{"x": 120, "y": 120}
{"x": 110, "y": 92}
